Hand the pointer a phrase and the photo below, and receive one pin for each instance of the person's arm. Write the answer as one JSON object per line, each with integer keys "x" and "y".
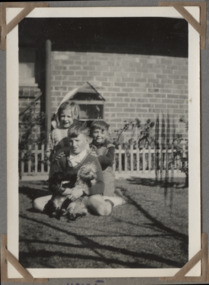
{"x": 98, "y": 187}
{"x": 57, "y": 176}
{"x": 107, "y": 159}
{"x": 93, "y": 150}
{"x": 50, "y": 146}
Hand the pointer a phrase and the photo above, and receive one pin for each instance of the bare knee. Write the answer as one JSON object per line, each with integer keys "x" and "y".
{"x": 98, "y": 206}
{"x": 105, "y": 210}
{"x": 39, "y": 203}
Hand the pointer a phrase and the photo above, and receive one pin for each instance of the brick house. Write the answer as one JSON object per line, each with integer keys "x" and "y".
{"x": 137, "y": 75}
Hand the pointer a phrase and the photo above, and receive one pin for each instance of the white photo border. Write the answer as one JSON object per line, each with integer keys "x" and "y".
{"x": 12, "y": 75}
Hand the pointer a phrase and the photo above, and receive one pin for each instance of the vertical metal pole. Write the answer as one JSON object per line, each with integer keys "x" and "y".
{"x": 48, "y": 49}
{"x": 167, "y": 140}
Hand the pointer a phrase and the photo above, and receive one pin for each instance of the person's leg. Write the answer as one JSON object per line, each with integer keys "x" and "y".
{"x": 98, "y": 206}
{"x": 39, "y": 203}
{"x": 109, "y": 182}
{"x": 116, "y": 200}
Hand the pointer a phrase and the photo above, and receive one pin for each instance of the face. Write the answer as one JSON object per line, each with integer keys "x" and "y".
{"x": 79, "y": 143}
{"x": 66, "y": 118}
{"x": 99, "y": 135}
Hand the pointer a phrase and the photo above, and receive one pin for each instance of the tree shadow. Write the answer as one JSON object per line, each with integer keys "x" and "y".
{"x": 156, "y": 223}
{"x": 153, "y": 182}
{"x": 48, "y": 254}
{"x": 96, "y": 247}
{"x": 34, "y": 182}
{"x": 33, "y": 193}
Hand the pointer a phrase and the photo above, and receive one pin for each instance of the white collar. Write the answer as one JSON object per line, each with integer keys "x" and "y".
{"x": 75, "y": 159}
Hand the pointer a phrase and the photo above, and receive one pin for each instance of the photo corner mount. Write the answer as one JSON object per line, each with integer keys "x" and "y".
{"x": 201, "y": 256}
{"x": 7, "y": 257}
{"x": 200, "y": 27}
{"x": 5, "y": 28}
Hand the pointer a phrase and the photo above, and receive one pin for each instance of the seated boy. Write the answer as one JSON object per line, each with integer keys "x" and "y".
{"x": 69, "y": 166}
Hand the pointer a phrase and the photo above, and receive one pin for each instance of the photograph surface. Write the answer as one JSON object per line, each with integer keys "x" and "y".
{"x": 107, "y": 112}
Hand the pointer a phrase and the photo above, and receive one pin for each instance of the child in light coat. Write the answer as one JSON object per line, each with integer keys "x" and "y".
{"x": 58, "y": 141}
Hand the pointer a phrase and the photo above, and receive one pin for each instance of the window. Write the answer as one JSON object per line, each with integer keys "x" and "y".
{"x": 90, "y": 101}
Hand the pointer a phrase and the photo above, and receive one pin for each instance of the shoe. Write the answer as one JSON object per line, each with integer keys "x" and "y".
{"x": 119, "y": 193}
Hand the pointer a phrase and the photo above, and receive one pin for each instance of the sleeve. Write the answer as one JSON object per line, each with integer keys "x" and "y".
{"x": 93, "y": 150}
{"x": 50, "y": 145}
{"x": 57, "y": 175}
{"x": 107, "y": 159}
{"x": 98, "y": 187}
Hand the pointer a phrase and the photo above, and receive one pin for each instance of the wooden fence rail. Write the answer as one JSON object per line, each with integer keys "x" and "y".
{"x": 147, "y": 162}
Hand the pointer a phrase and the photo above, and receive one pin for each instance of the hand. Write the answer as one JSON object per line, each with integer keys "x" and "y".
{"x": 75, "y": 194}
{"x": 93, "y": 152}
{"x": 59, "y": 155}
{"x": 47, "y": 153}
{"x": 67, "y": 191}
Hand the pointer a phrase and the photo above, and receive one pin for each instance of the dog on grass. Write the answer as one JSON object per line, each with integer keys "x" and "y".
{"x": 60, "y": 205}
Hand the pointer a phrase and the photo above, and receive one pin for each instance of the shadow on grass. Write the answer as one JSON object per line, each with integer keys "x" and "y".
{"x": 40, "y": 182}
{"x": 96, "y": 247}
{"x": 154, "y": 182}
{"x": 108, "y": 261}
{"x": 155, "y": 222}
{"x": 33, "y": 193}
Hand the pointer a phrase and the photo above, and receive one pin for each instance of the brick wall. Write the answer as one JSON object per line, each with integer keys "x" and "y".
{"x": 27, "y": 95}
{"x": 134, "y": 86}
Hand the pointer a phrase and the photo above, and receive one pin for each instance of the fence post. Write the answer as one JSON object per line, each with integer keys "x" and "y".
{"x": 143, "y": 159}
{"x": 131, "y": 158}
{"x": 125, "y": 160}
{"x": 29, "y": 161}
{"x": 119, "y": 159}
{"x": 149, "y": 158}
{"x": 113, "y": 166}
{"x": 36, "y": 158}
{"x": 137, "y": 159}
{"x": 42, "y": 158}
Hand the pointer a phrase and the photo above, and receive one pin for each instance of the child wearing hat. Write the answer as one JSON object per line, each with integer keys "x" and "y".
{"x": 105, "y": 151}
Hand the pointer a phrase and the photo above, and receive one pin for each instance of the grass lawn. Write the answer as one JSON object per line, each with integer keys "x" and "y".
{"x": 150, "y": 231}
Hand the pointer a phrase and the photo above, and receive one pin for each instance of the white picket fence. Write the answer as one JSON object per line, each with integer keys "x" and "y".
{"x": 145, "y": 163}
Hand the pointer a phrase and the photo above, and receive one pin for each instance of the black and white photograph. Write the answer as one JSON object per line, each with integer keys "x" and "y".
{"x": 106, "y": 172}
